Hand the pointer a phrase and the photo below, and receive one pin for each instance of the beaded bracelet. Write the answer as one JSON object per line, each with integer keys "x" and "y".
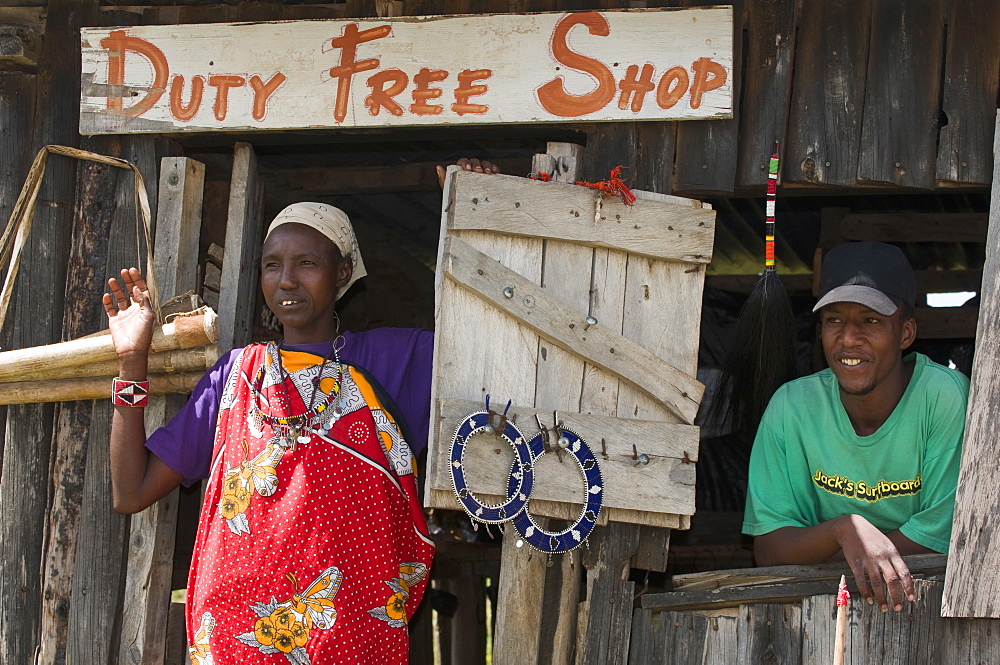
{"x": 576, "y": 533}
{"x": 521, "y": 476}
{"x": 129, "y": 393}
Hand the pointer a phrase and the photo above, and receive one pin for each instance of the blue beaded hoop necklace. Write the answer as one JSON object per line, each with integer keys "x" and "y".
{"x": 575, "y": 534}
{"x": 521, "y": 476}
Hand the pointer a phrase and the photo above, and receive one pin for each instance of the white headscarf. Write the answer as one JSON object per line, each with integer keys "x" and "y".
{"x": 331, "y": 222}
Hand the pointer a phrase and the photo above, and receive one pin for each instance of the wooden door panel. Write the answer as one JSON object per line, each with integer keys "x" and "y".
{"x": 522, "y": 264}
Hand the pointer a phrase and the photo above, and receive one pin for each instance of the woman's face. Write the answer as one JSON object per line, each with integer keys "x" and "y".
{"x": 300, "y": 274}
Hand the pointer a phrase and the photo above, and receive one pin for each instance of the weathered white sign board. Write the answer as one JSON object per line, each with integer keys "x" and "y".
{"x": 661, "y": 64}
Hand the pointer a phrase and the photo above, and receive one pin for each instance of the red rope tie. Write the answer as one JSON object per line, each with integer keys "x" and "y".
{"x": 614, "y": 186}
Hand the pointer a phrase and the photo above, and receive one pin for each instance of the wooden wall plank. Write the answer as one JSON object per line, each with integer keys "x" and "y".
{"x": 151, "y": 538}
{"x": 666, "y": 230}
{"x": 23, "y": 486}
{"x": 92, "y": 221}
{"x": 771, "y": 27}
{"x": 970, "y": 93}
{"x": 563, "y": 590}
{"x": 977, "y": 500}
{"x": 902, "y": 94}
{"x": 770, "y": 633}
{"x": 707, "y": 151}
{"x": 824, "y": 126}
{"x": 100, "y": 567}
{"x": 605, "y": 641}
{"x": 819, "y": 627}
{"x": 101, "y": 560}
{"x": 721, "y": 644}
{"x": 241, "y": 267}
{"x": 915, "y": 227}
{"x": 656, "y": 143}
{"x": 610, "y": 145}
{"x": 642, "y": 642}
{"x": 677, "y": 638}
{"x": 672, "y": 449}
{"x": 17, "y": 110}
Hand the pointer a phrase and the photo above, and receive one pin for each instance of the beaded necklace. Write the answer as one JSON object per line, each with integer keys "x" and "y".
{"x": 291, "y": 429}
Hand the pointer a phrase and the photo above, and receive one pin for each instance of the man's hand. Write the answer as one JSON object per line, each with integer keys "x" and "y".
{"x": 872, "y": 555}
{"x": 875, "y": 562}
{"x": 468, "y": 164}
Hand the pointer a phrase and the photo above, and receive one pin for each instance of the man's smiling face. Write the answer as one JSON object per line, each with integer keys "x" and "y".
{"x": 864, "y": 347}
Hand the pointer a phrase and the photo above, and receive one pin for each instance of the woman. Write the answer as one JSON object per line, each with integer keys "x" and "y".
{"x": 311, "y": 543}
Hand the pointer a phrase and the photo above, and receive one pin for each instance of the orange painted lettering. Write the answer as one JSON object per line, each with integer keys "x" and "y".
{"x": 382, "y": 97}
{"x": 708, "y": 75}
{"x": 464, "y": 91}
{"x": 635, "y": 87}
{"x": 117, "y": 43}
{"x": 552, "y": 95}
{"x": 667, "y": 96}
{"x": 349, "y": 65}
{"x": 263, "y": 91}
{"x": 181, "y": 111}
{"x": 222, "y": 84}
{"x": 422, "y": 92}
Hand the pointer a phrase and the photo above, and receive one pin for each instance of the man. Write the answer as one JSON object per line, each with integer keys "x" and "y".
{"x": 860, "y": 461}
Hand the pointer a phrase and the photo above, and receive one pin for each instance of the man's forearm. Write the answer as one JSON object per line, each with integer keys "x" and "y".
{"x": 799, "y": 545}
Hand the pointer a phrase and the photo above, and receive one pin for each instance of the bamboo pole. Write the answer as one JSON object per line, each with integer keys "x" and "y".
{"x": 184, "y": 332}
{"x": 196, "y": 359}
{"x": 841, "y": 640}
{"x": 93, "y": 387}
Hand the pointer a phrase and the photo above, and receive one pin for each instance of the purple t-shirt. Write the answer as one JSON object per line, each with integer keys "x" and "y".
{"x": 397, "y": 358}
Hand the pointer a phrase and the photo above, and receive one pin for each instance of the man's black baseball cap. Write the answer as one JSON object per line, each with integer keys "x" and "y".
{"x": 872, "y": 274}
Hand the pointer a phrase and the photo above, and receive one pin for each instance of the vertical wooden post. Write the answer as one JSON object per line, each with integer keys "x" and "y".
{"x": 17, "y": 105}
{"x": 93, "y": 216}
{"x": 38, "y": 305}
{"x": 100, "y": 566}
{"x": 609, "y": 596}
{"x": 240, "y": 269}
{"x": 519, "y": 607}
{"x": 151, "y": 541}
{"x": 972, "y": 583}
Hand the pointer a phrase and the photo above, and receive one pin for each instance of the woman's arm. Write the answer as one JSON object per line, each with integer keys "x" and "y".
{"x": 138, "y": 478}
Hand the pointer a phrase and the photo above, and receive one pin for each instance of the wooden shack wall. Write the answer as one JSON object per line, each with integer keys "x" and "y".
{"x": 847, "y": 86}
{"x": 802, "y": 633}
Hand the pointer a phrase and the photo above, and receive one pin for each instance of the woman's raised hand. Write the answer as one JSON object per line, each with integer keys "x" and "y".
{"x": 130, "y": 314}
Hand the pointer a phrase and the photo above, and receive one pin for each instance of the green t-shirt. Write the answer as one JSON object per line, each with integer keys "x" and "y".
{"x": 808, "y": 465}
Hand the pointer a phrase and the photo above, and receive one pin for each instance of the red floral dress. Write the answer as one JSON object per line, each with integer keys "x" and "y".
{"x": 310, "y": 549}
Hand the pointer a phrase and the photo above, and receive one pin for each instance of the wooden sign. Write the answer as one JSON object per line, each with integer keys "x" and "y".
{"x": 656, "y": 64}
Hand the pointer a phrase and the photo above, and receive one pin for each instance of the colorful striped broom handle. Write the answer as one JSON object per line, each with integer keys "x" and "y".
{"x": 772, "y": 190}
